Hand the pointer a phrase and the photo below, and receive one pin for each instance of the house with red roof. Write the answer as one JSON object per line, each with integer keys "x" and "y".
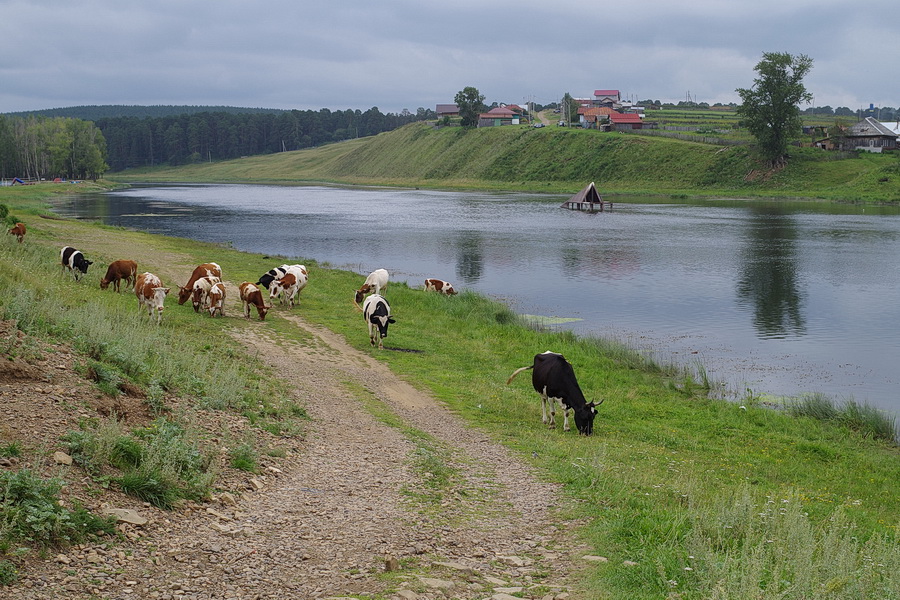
{"x": 625, "y": 122}
{"x": 497, "y": 117}
{"x": 607, "y": 98}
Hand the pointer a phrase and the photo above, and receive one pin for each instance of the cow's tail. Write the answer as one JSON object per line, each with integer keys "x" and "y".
{"x": 356, "y": 304}
{"x": 517, "y": 371}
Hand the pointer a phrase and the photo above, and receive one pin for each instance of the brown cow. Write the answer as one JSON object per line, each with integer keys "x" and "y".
{"x": 18, "y": 230}
{"x": 250, "y": 294}
{"x": 204, "y": 270}
{"x": 439, "y": 285}
{"x": 117, "y": 271}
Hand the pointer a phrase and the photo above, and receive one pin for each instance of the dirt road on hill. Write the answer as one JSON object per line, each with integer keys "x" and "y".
{"x": 349, "y": 512}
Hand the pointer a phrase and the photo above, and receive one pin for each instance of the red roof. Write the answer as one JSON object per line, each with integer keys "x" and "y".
{"x": 606, "y": 93}
{"x": 626, "y": 118}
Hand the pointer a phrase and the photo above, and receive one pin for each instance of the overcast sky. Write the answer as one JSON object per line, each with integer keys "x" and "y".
{"x": 397, "y": 54}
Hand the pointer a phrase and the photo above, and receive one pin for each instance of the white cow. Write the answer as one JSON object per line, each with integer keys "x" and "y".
{"x": 150, "y": 293}
{"x": 375, "y": 282}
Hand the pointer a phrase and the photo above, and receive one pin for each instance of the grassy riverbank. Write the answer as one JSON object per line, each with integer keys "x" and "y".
{"x": 708, "y": 499}
{"x": 556, "y": 160}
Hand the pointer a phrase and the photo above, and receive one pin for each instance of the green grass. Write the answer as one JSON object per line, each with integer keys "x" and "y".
{"x": 557, "y": 160}
{"x": 669, "y": 474}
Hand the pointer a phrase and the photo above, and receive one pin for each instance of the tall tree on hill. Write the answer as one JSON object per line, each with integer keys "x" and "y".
{"x": 569, "y": 109}
{"x": 770, "y": 108}
{"x": 471, "y": 104}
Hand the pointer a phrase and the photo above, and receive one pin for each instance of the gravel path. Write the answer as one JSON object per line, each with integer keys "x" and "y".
{"x": 345, "y": 515}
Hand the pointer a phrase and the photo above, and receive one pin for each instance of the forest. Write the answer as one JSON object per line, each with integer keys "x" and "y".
{"x": 35, "y": 145}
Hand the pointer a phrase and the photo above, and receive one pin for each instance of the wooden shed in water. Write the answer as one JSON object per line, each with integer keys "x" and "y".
{"x": 587, "y": 199}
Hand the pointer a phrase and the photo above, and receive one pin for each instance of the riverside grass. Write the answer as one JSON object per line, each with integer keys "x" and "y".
{"x": 707, "y": 498}
{"x": 557, "y": 160}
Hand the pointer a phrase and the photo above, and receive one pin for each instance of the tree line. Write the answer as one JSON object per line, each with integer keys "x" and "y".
{"x": 211, "y": 136}
{"x": 34, "y": 146}
{"x": 45, "y": 148}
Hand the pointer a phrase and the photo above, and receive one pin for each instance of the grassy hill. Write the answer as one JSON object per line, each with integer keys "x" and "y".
{"x": 556, "y": 160}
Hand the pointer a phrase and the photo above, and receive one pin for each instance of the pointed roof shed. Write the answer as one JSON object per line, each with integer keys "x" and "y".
{"x": 588, "y": 194}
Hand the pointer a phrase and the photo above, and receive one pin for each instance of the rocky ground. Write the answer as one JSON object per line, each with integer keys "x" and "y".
{"x": 340, "y": 516}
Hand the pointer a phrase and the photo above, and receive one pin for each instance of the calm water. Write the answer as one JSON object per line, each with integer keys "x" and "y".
{"x": 777, "y": 298}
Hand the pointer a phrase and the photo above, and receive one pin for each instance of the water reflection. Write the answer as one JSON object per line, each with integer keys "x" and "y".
{"x": 769, "y": 274}
{"x": 469, "y": 257}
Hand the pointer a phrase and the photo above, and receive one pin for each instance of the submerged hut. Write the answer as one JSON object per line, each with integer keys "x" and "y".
{"x": 587, "y": 199}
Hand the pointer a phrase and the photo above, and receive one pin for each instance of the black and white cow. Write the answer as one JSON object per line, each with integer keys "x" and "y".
{"x": 75, "y": 261}
{"x": 553, "y": 378}
{"x": 266, "y": 279}
{"x": 377, "y": 313}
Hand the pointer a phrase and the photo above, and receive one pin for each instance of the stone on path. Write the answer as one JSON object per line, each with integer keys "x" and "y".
{"x": 126, "y": 515}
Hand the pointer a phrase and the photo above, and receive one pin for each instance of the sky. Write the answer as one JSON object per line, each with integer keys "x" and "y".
{"x": 406, "y": 54}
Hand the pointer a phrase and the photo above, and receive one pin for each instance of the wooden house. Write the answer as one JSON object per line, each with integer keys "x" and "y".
{"x": 871, "y": 136}
{"x": 497, "y": 117}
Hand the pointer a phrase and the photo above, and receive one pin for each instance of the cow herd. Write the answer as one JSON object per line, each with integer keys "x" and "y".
{"x": 552, "y": 375}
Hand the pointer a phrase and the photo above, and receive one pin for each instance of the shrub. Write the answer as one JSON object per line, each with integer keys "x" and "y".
{"x": 244, "y": 457}
{"x": 30, "y": 513}
{"x": 8, "y": 573}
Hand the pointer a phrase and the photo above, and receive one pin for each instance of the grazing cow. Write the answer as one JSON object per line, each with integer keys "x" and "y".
{"x": 266, "y": 279}
{"x": 118, "y": 271}
{"x": 18, "y": 230}
{"x": 74, "y": 261}
{"x": 288, "y": 287}
{"x": 216, "y": 299}
{"x": 150, "y": 293}
{"x": 201, "y": 290}
{"x": 554, "y": 378}
{"x": 439, "y": 285}
{"x": 204, "y": 270}
{"x": 375, "y": 282}
{"x": 377, "y": 313}
{"x": 250, "y": 294}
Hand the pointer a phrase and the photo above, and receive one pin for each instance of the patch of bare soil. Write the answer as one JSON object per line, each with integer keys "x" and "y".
{"x": 337, "y": 517}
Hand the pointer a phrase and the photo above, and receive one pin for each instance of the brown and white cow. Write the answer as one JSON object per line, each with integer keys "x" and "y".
{"x": 150, "y": 293}
{"x": 251, "y": 295}
{"x": 216, "y": 297}
{"x": 204, "y": 270}
{"x": 375, "y": 282}
{"x": 118, "y": 271}
{"x": 18, "y": 230}
{"x": 288, "y": 287}
{"x": 201, "y": 291}
{"x": 440, "y": 286}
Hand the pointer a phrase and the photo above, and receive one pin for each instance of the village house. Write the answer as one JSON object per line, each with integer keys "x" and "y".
{"x": 871, "y": 136}
{"x": 608, "y": 98}
{"x": 497, "y": 117}
{"x": 447, "y": 110}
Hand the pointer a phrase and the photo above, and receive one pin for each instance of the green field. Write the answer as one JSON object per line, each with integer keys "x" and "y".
{"x": 558, "y": 160}
{"x": 708, "y": 499}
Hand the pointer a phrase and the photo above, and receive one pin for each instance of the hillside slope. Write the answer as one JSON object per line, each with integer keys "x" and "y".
{"x": 556, "y": 160}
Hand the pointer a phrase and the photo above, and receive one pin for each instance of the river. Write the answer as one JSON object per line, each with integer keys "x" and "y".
{"x": 769, "y": 297}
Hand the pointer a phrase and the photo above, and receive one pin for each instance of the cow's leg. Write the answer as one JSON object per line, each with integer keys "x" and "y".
{"x": 545, "y": 399}
{"x": 565, "y": 410}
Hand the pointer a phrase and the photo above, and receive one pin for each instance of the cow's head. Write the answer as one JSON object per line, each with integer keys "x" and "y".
{"x": 262, "y": 310}
{"x": 184, "y": 293}
{"x": 584, "y": 417}
{"x": 104, "y": 283}
{"x": 361, "y": 292}
{"x": 84, "y": 264}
